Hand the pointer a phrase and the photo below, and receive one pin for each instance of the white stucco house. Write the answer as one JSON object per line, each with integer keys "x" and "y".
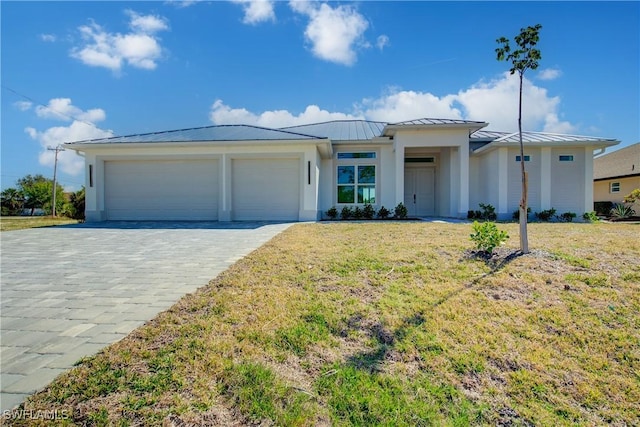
{"x": 435, "y": 167}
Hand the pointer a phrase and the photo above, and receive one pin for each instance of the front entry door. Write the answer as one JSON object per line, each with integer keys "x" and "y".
{"x": 419, "y": 191}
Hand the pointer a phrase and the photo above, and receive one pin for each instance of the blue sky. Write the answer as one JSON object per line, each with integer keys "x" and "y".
{"x": 81, "y": 70}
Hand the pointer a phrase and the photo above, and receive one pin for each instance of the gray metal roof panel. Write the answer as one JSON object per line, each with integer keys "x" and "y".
{"x": 431, "y": 122}
{"x": 544, "y": 137}
{"x": 209, "y": 133}
{"x": 342, "y": 130}
{"x": 487, "y": 134}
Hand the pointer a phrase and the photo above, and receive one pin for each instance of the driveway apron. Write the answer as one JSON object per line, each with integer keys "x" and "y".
{"x": 67, "y": 292}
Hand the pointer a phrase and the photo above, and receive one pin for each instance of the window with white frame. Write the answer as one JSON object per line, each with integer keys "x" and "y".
{"x": 527, "y": 158}
{"x": 614, "y": 187}
{"x": 356, "y": 178}
{"x": 566, "y": 158}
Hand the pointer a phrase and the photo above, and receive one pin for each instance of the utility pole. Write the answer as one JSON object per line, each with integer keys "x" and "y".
{"x": 55, "y": 168}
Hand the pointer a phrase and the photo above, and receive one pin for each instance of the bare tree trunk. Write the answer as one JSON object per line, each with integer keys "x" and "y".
{"x": 524, "y": 239}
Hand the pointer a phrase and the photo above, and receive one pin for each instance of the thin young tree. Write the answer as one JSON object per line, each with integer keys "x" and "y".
{"x": 524, "y": 58}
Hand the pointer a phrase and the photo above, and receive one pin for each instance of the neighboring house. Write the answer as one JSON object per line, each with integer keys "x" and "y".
{"x": 441, "y": 168}
{"x": 616, "y": 174}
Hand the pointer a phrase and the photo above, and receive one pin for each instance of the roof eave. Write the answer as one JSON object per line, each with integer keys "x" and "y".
{"x": 607, "y": 178}
{"x": 586, "y": 143}
{"x": 392, "y": 129}
{"x": 82, "y": 146}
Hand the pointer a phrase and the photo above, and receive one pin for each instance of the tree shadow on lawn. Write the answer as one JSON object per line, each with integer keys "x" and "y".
{"x": 386, "y": 340}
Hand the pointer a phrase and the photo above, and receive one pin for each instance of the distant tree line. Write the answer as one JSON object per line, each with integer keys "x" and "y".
{"x": 33, "y": 194}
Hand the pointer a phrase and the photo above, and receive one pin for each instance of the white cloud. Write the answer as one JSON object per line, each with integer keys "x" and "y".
{"x": 182, "y": 3}
{"x": 68, "y": 161}
{"x": 382, "y": 41}
{"x": 334, "y": 33}
{"x": 399, "y": 106}
{"x": 223, "y": 114}
{"x": 81, "y": 128}
{"x": 139, "y": 48}
{"x": 256, "y": 11}
{"x": 62, "y": 109}
{"x": 23, "y": 105}
{"x": 553, "y": 124}
{"x": 146, "y": 24}
{"x": 549, "y": 74}
{"x": 495, "y": 102}
{"x": 48, "y": 38}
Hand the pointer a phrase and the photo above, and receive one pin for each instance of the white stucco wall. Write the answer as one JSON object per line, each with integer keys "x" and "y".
{"x": 386, "y": 186}
{"x": 514, "y": 177}
{"x": 568, "y": 181}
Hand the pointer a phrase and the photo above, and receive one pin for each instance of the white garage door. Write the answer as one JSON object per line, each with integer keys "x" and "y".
{"x": 161, "y": 190}
{"x": 266, "y": 189}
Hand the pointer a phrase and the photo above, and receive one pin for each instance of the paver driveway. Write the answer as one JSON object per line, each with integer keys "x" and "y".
{"x": 67, "y": 292}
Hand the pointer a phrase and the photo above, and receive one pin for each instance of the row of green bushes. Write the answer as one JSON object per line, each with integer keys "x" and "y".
{"x": 487, "y": 212}
{"x": 367, "y": 212}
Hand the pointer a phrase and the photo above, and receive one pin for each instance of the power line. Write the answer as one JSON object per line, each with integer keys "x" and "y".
{"x": 40, "y": 104}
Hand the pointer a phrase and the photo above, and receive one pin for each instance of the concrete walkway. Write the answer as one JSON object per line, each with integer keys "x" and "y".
{"x": 66, "y": 292}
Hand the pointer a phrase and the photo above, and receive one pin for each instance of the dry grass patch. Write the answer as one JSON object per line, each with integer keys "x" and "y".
{"x": 385, "y": 324}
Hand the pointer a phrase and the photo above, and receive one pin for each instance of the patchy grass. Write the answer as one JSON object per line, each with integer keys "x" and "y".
{"x": 385, "y": 324}
{"x": 8, "y": 223}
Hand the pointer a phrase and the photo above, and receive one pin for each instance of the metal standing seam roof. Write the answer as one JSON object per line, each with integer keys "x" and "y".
{"x": 209, "y": 133}
{"x": 487, "y": 135}
{"x": 431, "y": 122}
{"x": 544, "y": 137}
{"x": 342, "y": 130}
{"x": 337, "y": 130}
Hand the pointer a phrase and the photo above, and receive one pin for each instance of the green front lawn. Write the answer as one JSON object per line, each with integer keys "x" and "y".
{"x": 385, "y": 324}
{"x": 8, "y": 223}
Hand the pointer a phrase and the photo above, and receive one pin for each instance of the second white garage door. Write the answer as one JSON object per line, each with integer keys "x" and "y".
{"x": 266, "y": 189}
{"x": 161, "y": 190}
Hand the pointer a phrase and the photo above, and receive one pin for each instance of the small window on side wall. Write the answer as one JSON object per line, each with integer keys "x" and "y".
{"x": 566, "y": 158}
{"x": 526, "y": 158}
{"x": 614, "y": 187}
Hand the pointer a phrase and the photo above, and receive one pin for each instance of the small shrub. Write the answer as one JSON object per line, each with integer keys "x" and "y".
{"x": 368, "y": 211}
{"x": 567, "y": 216}
{"x": 546, "y": 215}
{"x": 357, "y": 213}
{"x": 622, "y": 211}
{"x": 471, "y": 214}
{"x": 332, "y": 213}
{"x": 488, "y": 212}
{"x": 346, "y": 212}
{"x": 487, "y": 236}
{"x": 401, "y": 211}
{"x": 603, "y": 208}
{"x": 383, "y": 213}
{"x": 590, "y": 217}
{"x": 516, "y": 214}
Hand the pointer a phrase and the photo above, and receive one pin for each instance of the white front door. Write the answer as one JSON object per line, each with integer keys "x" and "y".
{"x": 419, "y": 190}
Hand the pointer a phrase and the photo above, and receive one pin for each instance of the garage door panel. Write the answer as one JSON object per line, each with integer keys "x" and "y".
{"x": 161, "y": 190}
{"x": 266, "y": 189}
